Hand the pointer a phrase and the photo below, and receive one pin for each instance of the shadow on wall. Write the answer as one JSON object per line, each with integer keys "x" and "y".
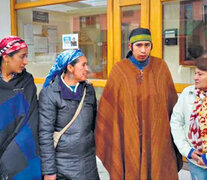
{"x": 194, "y": 51}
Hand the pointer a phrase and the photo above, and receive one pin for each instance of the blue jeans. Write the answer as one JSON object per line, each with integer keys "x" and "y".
{"x": 197, "y": 173}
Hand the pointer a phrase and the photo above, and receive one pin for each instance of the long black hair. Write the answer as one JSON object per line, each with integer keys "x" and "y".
{"x": 10, "y": 55}
{"x": 1, "y": 60}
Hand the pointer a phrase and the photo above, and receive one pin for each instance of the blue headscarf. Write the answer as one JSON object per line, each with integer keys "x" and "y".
{"x": 61, "y": 62}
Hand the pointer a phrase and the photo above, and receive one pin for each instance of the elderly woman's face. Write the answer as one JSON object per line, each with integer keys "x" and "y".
{"x": 81, "y": 69}
{"x": 200, "y": 79}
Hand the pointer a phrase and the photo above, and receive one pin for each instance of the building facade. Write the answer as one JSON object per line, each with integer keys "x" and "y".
{"x": 101, "y": 29}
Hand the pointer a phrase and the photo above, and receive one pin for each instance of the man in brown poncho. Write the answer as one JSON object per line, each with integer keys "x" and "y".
{"x": 133, "y": 137}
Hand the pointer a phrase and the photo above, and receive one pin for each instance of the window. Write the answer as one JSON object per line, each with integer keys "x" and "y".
{"x": 173, "y": 42}
{"x": 43, "y": 29}
{"x": 130, "y": 20}
{"x": 193, "y": 32}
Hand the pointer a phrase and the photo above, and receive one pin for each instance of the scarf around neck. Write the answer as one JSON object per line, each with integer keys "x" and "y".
{"x": 139, "y": 64}
{"x": 198, "y": 122}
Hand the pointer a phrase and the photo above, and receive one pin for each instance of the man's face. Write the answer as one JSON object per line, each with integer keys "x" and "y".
{"x": 141, "y": 50}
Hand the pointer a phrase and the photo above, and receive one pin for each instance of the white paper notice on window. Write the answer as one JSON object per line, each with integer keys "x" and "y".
{"x": 28, "y": 33}
{"x": 70, "y": 41}
{"x": 37, "y": 29}
{"x": 40, "y": 44}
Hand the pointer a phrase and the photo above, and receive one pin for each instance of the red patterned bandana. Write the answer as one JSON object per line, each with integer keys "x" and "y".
{"x": 10, "y": 44}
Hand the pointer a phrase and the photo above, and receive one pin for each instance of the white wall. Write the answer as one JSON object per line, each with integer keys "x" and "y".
{"x": 5, "y": 20}
{"x": 180, "y": 74}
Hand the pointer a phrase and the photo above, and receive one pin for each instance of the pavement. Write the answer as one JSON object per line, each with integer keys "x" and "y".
{"x": 103, "y": 174}
{"x": 184, "y": 173}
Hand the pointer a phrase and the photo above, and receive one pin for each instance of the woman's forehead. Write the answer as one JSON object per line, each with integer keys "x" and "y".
{"x": 82, "y": 58}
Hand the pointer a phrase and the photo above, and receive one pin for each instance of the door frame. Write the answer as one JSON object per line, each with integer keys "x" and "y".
{"x": 118, "y": 4}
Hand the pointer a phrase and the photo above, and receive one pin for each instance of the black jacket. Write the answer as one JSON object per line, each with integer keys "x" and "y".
{"x": 19, "y": 150}
{"x": 74, "y": 156}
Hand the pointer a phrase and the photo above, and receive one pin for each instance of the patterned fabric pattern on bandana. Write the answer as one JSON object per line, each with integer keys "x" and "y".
{"x": 11, "y": 44}
{"x": 62, "y": 60}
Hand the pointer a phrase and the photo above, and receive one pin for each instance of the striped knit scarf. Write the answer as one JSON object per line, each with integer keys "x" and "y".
{"x": 198, "y": 122}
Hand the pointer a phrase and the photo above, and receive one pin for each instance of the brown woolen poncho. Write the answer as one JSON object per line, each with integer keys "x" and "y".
{"x": 133, "y": 137}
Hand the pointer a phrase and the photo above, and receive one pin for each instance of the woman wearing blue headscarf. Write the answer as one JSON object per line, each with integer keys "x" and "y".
{"x": 74, "y": 157}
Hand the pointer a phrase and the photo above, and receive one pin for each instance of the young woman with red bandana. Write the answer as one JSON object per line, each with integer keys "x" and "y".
{"x": 19, "y": 153}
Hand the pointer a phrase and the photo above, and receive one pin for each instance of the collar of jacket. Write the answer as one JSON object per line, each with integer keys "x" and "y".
{"x": 192, "y": 90}
{"x": 65, "y": 92}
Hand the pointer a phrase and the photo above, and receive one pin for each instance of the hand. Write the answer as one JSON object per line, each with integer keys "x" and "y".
{"x": 50, "y": 177}
{"x": 200, "y": 162}
{"x": 196, "y": 155}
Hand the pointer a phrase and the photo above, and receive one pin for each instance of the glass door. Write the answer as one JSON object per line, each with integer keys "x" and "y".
{"x": 127, "y": 16}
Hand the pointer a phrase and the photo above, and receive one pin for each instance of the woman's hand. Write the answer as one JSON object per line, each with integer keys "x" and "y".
{"x": 200, "y": 162}
{"x": 50, "y": 177}
{"x": 196, "y": 155}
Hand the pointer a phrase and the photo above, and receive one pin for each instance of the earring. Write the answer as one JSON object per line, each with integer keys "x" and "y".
{"x": 71, "y": 76}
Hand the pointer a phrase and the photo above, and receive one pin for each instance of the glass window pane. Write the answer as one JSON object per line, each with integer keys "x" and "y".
{"x": 130, "y": 19}
{"x": 43, "y": 27}
{"x": 184, "y": 37}
{"x": 193, "y": 21}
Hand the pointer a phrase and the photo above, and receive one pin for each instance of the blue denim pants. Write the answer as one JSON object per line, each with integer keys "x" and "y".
{"x": 197, "y": 173}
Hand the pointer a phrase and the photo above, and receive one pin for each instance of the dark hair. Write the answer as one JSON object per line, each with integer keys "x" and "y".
{"x": 139, "y": 31}
{"x": 10, "y": 55}
{"x": 201, "y": 63}
{"x": 13, "y": 53}
{"x": 1, "y": 60}
{"x": 72, "y": 64}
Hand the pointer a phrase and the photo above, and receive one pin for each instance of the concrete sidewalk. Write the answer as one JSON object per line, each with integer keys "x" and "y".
{"x": 184, "y": 174}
